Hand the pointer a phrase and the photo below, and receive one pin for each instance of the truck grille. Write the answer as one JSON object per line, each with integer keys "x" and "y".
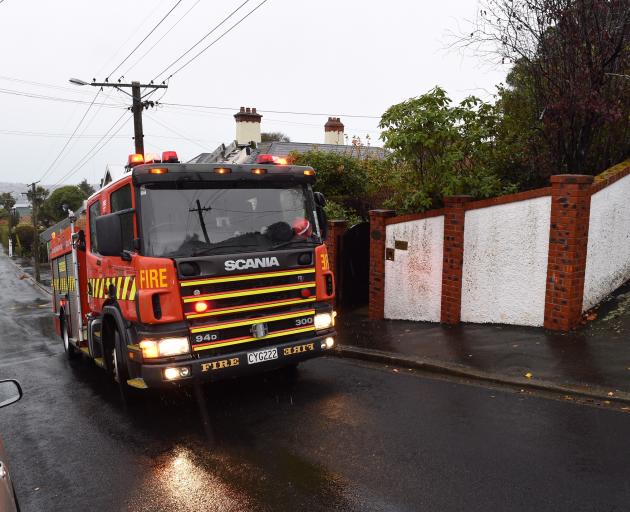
{"x": 282, "y": 300}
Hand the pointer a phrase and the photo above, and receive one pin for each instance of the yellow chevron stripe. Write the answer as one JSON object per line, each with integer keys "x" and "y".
{"x": 132, "y": 292}
{"x": 125, "y": 286}
{"x": 252, "y": 308}
{"x": 226, "y": 279}
{"x": 119, "y": 288}
{"x": 246, "y": 340}
{"x": 245, "y": 293}
{"x": 252, "y": 321}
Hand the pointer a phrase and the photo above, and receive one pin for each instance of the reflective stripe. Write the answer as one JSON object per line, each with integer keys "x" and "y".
{"x": 246, "y": 277}
{"x": 251, "y": 291}
{"x": 251, "y": 321}
{"x": 125, "y": 287}
{"x": 252, "y": 307}
{"x": 278, "y": 334}
{"x": 132, "y": 292}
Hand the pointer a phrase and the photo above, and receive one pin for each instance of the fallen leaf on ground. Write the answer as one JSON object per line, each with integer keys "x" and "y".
{"x": 591, "y": 316}
{"x": 529, "y": 375}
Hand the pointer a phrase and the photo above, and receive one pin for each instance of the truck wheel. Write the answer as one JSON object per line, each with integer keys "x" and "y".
{"x": 120, "y": 373}
{"x": 71, "y": 351}
{"x": 119, "y": 365}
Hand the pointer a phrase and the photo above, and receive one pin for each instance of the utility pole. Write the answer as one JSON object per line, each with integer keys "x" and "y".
{"x": 137, "y": 106}
{"x": 35, "y": 247}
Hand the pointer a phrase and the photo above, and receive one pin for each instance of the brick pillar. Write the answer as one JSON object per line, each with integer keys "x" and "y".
{"x": 453, "y": 258}
{"x": 334, "y": 245}
{"x": 377, "y": 263}
{"x": 568, "y": 240}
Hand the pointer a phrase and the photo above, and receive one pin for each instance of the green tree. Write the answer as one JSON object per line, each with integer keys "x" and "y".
{"x": 70, "y": 196}
{"x": 274, "y": 137}
{"x": 7, "y": 201}
{"x": 351, "y": 183}
{"x": 568, "y": 89}
{"x": 24, "y": 238}
{"x": 439, "y": 149}
{"x": 86, "y": 188}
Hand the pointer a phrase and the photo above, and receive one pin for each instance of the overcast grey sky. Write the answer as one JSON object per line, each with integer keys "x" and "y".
{"x": 328, "y": 56}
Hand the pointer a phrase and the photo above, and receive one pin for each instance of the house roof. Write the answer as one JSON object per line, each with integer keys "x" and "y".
{"x": 247, "y": 155}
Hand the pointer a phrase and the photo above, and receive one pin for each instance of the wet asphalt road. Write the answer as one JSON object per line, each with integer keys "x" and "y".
{"x": 345, "y": 436}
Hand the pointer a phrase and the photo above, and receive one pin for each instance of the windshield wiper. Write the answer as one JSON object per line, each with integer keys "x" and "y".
{"x": 209, "y": 250}
{"x": 308, "y": 243}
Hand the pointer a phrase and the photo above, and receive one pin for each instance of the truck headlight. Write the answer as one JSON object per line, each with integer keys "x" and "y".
{"x": 323, "y": 321}
{"x": 164, "y": 347}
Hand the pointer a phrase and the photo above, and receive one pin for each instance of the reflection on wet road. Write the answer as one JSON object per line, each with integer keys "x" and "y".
{"x": 342, "y": 437}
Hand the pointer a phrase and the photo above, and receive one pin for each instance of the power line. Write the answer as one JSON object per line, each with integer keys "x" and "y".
{"x": 93, "y": 151}
{"x": 131, "y": 36}
{"x": 145, "y": 37}
{"x": 20, "y": 133}
{"x": 42, "y": 84}
{"x": 56, "y": 98}
{"x": 219, "y": 38}
{"x": 161, "y": 38}
{"x": 201, "y": 40}
{"x": 288, "y": 112}
{"x": 192, "y": 141}
{"x": 71, "y": 137}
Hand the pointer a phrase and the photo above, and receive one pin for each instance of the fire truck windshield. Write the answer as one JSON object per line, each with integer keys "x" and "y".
{"x": 183, "y": 220}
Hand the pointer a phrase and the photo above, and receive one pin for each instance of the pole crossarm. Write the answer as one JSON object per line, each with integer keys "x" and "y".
{"x": 116, "y": 84}
{"x": 137, "y": 105}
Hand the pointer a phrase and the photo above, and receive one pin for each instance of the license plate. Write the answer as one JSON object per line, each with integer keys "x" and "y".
{"x": 260, "y": 356}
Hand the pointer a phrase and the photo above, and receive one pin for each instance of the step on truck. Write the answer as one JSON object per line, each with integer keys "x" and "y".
{"x": 176, "y": 272}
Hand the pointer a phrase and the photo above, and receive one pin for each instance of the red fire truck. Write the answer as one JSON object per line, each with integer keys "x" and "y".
{"x": 174, "y": 272}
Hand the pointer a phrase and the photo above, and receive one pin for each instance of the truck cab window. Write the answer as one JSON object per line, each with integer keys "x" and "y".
{"x": 95, "y": 212}
{"x": 120, "y": 201}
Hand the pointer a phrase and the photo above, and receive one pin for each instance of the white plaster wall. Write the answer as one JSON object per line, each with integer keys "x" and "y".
{"x": 608, "y": 253}
{"x": 413, "y": 281}
{"x": 505, "y": 263}
{"x": 247, "y": 132}
{"x": 334, "y": 138}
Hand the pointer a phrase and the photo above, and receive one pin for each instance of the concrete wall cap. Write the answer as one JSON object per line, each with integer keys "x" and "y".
{"x": 382, "y": 213}
{"x": 573, "y": 179}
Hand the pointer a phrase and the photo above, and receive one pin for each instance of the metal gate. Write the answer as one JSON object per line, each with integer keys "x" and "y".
{"x": 355, "y": 267}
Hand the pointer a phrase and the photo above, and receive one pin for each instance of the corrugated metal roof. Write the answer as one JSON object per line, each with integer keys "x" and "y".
{"x": 276, "y": 148}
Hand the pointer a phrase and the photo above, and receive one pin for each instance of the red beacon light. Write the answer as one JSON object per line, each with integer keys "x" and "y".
{"x": 271, "y": 159}
{"x": 135, "y": 159}
{"x": 170, "y": 157}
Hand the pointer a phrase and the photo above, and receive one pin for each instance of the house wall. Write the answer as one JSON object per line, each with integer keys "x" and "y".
{"x": 413, "y": 280}
{"x": 505, "y": 263}
{"x": 608, "y": 252}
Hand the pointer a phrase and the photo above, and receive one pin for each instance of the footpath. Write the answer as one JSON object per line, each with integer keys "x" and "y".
{"x": 592, "y": 362}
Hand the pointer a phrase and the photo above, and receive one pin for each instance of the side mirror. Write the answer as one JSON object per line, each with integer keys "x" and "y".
{"x": 320, "y": 200}
{"x": 109, "y": 235}
{"x": 10, "y": 392}
{"x": 322, "y": 220}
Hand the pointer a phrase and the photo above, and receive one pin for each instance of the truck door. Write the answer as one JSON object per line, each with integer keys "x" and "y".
{"x": 121, "y": 273}
{"x": 93, "y": 258}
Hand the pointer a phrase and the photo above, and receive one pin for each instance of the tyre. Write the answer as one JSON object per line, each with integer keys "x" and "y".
{"x": 69, "y": 348}
{"x": 119, "y": 370}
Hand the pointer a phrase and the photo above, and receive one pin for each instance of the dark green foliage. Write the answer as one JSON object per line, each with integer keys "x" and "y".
{"x": 86, "y": 188}
{"x": 53, "y": 208}
{"x": 274, "y": 137}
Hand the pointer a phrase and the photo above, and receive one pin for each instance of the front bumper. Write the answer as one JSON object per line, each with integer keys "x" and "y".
{"x": 235, "y": 364}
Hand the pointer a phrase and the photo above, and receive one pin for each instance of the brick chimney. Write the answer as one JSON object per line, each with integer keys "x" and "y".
{"x": 247, "y": 126}
{"x": 333, "y": 131}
